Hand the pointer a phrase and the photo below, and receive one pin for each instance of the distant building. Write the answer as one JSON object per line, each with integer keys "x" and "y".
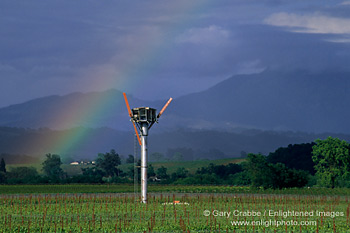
{"x": 82, "y": 162}
{"x": 154, "y": 179}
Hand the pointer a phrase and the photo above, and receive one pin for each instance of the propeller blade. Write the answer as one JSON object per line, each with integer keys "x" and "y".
{"x": 127, "y": 105}
{"x": 137, "y": 133}
{"x": 130, "y": 114}
{"x": 165, "y": 106}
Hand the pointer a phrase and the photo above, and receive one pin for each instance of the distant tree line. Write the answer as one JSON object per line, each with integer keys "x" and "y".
{"x": 323, "y": 163}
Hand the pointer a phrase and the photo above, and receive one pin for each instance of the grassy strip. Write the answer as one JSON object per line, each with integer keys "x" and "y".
{"x": 129, "y": 188}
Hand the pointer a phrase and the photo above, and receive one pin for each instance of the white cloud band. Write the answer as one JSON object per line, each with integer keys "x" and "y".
{"x": 315, "y": 23}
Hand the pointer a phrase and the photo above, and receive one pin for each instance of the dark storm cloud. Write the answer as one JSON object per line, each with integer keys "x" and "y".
{"x": 57, "y": 47}
{"x": 45, "y": 46}
{"x": 38, "y": 33}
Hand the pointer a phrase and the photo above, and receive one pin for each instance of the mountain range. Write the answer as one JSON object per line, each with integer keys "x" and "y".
{"x": 271, "y": 100}
{"x": 253, "y": 113}
{"x": 296, "y": 101}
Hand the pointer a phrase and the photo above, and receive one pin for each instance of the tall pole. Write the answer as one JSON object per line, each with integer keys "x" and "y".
{"x": 145, "y": 123}
{"x": 144, "y": 134}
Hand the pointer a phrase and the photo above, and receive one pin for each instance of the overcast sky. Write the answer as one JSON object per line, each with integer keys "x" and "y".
{"x": 162, "y": 48}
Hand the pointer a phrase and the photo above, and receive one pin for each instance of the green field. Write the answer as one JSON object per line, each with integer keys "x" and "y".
{"x": 171, "y": 166}
{"x": 69, "y": 169}
{"x": 157, "y": 188}
{"x": 97, "y": 208}
{"x": 192, "y": 166}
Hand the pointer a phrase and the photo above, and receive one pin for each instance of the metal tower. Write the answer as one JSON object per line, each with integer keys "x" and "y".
{"x": 143, "y": 118}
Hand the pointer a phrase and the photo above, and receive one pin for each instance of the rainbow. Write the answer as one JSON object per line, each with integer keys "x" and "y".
{"x": 128, "y": 79}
